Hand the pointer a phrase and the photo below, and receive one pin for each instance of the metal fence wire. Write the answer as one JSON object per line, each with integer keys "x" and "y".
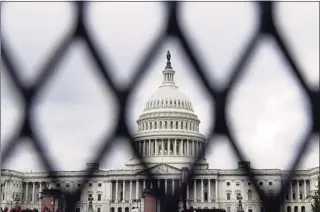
{"x": 220, "y": 97}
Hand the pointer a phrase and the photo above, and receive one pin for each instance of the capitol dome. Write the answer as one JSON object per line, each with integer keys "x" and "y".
{"x": 168, "y": 128}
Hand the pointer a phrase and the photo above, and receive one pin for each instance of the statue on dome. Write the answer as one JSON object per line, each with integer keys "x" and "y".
{"x": 168, "y": 56}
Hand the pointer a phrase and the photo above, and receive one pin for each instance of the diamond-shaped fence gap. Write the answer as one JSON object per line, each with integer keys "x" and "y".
{"x": 42, "y": 27}
{"x": 11, "y": 108}
{"x": 291, "y": 18}
{"x": 219, "y": 43}
{"x": 118, "y": 156}
{"x": 311, "y": 158}
{"x": 268, "y": 111}
{"x": 23, "y": 152}
{"x": 220, "y": 148}
{"x": 76, "y": 110}
{"x": 127, "y": 40}
{"x": 184, "y": 78}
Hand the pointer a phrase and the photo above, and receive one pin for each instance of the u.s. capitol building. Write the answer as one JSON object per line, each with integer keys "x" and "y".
{"x": 168, "y": 138}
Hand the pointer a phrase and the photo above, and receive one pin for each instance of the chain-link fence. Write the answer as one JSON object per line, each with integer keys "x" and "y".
{"x": 220, "y": 97}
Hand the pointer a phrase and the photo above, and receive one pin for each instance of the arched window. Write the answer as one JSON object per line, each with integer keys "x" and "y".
{"x": 288, "y": 209}
{"x": 155, "y": 125}
{"x": 303, "y": 209}
{"x": 126, "y": 209}
{"x": 182, "y": 125}
{"x": 295, "y": 208}
{"x": 119, "y": 209}
{"x": 112, "y": 209}
{"x": 160, "y": 125}
{"x": 249, "y": 195}
{"x": 176, "y": 125}
{"x": 171, "y": 124}
{"x": 150, "y": 125}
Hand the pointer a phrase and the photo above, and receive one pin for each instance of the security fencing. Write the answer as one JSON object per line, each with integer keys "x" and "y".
{"x": 220, "y": 97}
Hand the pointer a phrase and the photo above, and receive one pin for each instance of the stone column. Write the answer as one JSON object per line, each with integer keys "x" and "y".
{"x": 187, "y": 147}
{"x": 188, "y": 195}
{"x": 209, "y": 190}
{"x": 195, "y": 190}
{"x": 298, "y": 191}
{"x": 33, "y": 191}
{"x": 217, "y": 190}
{"x": 40, "y": 189}
{"x": 130, "y": 194}
{"x": 110, "y": 189}
{"x": 305, "y": 188}
{"x": 156, "y": 147}
{"x": 291, "y": 190}
{"x": 149, "y": 147}
{"x": 123, "y": 190}
{"x": 162, "y": 147}
{"x": 173, "y": 186}
{"x": 26, "y": 194}
{"x": 165, "y": 185}
{"x": 137, "y": 189}
{"x": 116, "y": 197}
{"x": 175, "y": 147}
{"x": 202, "y": 199}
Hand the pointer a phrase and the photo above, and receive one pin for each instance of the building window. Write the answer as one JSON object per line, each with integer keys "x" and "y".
{"x": 99, "y": 184}
{"x": 228, "y": 196}
{"x": 176, "y": 125}
{"x": 228, "y": 209}
{"x": 250, "y": 210}
{"x": 261, "y": 183}
{"x": 249, "y": 183}
{"x": 228, "y": 183}
{"x": 79, "y": 185}
{"x": 99, "y": 197}
{"x": 249, "y": 195}
{"x": 294, "y": 196}
{"x": 155, "y": 125}
{"x": 237, "y": 183}
{"x": 287, "y": 196}
{"x": 160, "y": 123}
{"x": 58, "y": 185}
{"x": 300, "y": 196}
{"x": 98, "y": 209}
{"x": 205, "y": 196}
{"x": 182, "y": 125}
{"x": 67, "y": 185}
{"x": 77, "y": 209}
{"x": 165, "y": 125}
{"x": 90, "y": 184}
{"x": 270, "y": 183}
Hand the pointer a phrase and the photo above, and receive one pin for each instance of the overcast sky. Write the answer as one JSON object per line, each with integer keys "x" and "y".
{"x": 268, "y": 109}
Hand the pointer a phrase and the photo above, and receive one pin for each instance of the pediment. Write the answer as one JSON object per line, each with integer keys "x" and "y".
{"x": 161, "y": 169}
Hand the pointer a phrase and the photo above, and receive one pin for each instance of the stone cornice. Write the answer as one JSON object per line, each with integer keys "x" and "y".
{"x": 132, "y": 173}
{"x": 169, "y": 134}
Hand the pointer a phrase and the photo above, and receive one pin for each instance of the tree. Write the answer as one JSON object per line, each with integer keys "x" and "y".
{"x": 315, "y": 198}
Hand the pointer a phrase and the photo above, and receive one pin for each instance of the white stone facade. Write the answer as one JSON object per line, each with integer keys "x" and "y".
{"x": 168, "y": 139}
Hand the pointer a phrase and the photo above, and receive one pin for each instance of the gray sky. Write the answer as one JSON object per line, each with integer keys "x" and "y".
{"x": 268, "y": 109}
